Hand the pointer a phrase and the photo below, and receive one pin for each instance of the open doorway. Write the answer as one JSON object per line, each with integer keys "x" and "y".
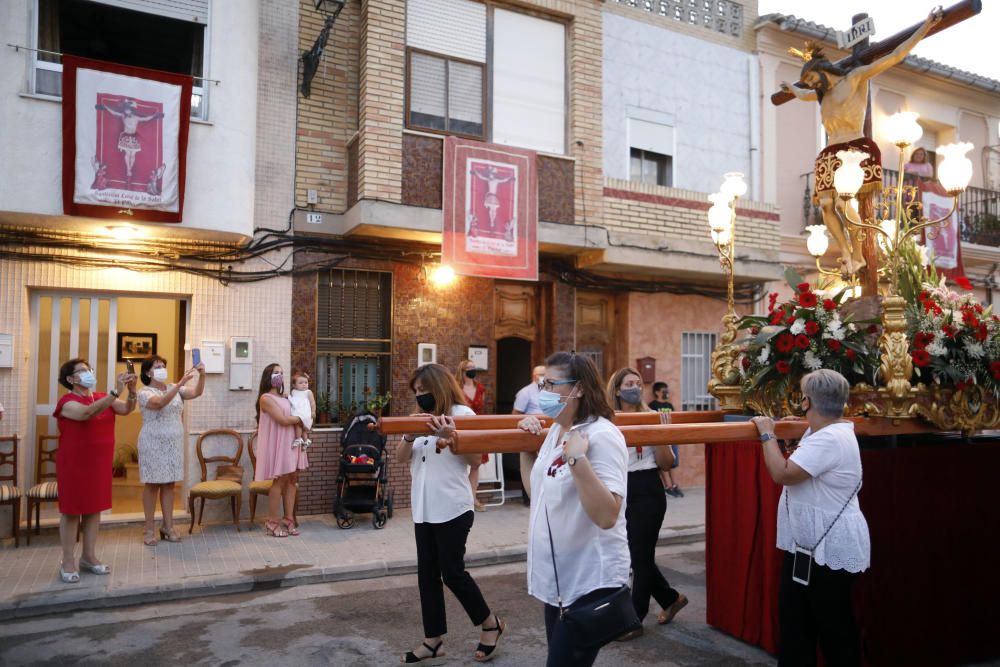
{"x": 513, "y": 372}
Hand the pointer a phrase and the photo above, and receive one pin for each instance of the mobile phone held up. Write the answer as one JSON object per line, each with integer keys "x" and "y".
{"x": 195, "y": 356}
{"x": 129, "y": 367}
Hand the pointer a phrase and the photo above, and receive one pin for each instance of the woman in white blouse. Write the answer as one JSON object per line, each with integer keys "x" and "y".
{"x": 645, "y": 508}
{"x": 577, "y": 486}
{"x": 441, "y": 503}
{"x": 820, "y": 526}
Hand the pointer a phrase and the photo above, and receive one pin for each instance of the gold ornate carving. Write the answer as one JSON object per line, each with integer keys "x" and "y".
{"x": 725, "y": 381}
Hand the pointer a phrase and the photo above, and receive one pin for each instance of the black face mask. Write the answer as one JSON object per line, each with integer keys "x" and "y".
{"x": 470, "y": 374}
{"x": 426, "y": 402}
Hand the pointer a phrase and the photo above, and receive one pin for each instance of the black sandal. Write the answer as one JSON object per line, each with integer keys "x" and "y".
{"x": 489, "y": 652}
{"x": 434, "y": 658}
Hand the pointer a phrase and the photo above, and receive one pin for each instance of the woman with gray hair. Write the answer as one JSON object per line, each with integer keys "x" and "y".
{"x": 820, "y": 526}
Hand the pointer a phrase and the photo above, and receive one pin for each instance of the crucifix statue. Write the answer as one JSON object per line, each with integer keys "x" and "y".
{"x": 842, "y": 91}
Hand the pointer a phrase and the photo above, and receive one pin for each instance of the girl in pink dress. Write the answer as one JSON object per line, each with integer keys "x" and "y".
{"x": 276, "y": 458}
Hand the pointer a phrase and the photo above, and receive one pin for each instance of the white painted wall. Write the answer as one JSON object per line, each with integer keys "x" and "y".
{"x": 220, "y": 162}
{"x": 703, "y": 89}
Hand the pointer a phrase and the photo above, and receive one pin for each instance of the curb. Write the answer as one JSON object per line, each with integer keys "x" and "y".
{"x": 227, "y": 584}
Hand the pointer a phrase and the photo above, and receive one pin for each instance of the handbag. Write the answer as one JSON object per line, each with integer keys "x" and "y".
{"x": 229, "y": 473}
{"x": 595, "y": 623}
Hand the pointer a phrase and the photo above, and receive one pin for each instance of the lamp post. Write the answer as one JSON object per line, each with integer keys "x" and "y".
{"x": 724, "y": 383}
{"x": 895, "y": 364}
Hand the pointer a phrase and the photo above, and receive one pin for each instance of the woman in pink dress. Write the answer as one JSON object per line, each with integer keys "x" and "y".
{"x": 276, "y": 458}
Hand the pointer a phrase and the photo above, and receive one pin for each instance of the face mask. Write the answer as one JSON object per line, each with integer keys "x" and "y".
{"x": 160, "y": 374}
{"x": 87, "y": 379}
{"x": 632, "y": 396}
{"x": 550, "y": 403}
{"x": 470, "y": 374}
{"x": 277, "y": 380}
{"x": 426, "y": 402}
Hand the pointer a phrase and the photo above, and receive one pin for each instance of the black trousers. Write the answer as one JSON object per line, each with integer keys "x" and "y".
{"x": 441, "y": 558}
{"x": 823, "y": 611}
{"x": 644, "y": 509}
{"x": 563, "y": 651}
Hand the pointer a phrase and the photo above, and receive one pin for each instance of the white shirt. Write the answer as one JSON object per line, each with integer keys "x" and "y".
{"x": 526, "y": 400}
{"x": 301, "y": 406}
{"x": 440, "y": 489}
{"x": 642, "y": 460}
{"x": 832, "y": 457}
{"x": 588, "y": 557}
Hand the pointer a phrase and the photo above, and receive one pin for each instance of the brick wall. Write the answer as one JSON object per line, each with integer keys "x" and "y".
{"x": 659, "y": 211}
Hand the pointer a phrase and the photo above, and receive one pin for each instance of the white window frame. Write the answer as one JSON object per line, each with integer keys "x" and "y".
{"x": 34, "y": 63}
{"x": 706, "y": 343}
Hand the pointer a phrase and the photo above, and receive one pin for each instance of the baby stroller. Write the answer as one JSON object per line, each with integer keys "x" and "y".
{"x": 362, "y": 483}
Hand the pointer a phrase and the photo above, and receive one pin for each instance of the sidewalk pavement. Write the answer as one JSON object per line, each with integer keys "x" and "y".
{"x": 217, "y": 560}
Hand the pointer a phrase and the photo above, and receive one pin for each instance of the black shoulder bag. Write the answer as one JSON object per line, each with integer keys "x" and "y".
{"x": 596, "y": 622}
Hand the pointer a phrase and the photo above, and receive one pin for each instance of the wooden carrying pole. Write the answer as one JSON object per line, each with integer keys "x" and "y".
{"x": 400, "y": 425}
{"x": 515, "y": 440}
{"x": 952, "y": 15}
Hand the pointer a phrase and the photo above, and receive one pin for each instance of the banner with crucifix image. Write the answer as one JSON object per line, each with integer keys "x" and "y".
{"x": 125, "y": 132}
{"x": 490, "y": 210}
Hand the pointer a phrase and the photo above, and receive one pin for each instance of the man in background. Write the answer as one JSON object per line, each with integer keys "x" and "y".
{"x": 526, "y": 403}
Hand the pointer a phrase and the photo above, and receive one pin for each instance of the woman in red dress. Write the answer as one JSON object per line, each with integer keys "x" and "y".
{"x": 475, "y": 393}
{"x": 83, "y": 461}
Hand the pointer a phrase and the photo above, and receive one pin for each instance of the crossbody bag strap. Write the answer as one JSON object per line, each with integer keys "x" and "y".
{"x": 857, "y": 489}
{"x": 555, "y": 570}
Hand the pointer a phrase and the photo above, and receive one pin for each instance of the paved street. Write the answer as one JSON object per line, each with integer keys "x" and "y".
{"x": 351, "y": 623}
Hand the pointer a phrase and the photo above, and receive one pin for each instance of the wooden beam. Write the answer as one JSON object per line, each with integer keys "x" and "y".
{"x": 400, "y": 425}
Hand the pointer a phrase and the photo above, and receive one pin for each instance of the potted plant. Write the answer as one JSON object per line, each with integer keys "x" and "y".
{"x": 323, "y": 409}
{"x": 376, "y": 404}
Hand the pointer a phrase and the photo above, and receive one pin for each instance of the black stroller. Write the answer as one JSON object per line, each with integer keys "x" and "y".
{"x": 363, "y": 480}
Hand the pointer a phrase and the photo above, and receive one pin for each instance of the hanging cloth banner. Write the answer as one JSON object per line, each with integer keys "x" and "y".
{"x": 125, "y": 133}
{"x": 945, "y": 242}
{"x": 490, "y": 210}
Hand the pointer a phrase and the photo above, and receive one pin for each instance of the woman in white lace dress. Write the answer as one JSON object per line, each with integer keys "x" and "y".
{"x": 820, "y": 527}
{"x": 161, "y": 441}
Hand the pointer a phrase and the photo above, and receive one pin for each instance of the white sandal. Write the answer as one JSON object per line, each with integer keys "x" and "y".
{"x": 69, "y": 577}
{"x": 95, "y": 569}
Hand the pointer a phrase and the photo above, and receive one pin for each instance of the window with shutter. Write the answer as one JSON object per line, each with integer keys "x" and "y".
{"x": 696, "y": 370}
{"x": 353, "y": 336}
{"x": 445, "y": 95}
{"x": 168, "y": 35}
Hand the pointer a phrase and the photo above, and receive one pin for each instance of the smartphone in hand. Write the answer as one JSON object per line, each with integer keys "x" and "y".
{"x": 195, "y": 356}
{"x": 129, "y": 367}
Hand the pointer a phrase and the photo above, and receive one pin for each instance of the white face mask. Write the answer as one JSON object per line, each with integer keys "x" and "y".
{"x": 159, "y": 374}
{"x": 87, "y": 379}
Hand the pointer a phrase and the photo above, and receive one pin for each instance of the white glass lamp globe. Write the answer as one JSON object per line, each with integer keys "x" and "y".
{"x": 734, "y": 186}
{"x": 903, "y": 129}
{"x": 955, "y": 170}
{"x": 720, "y": 214}
{"x": 721, "y": 237}
{"x": 818, "y": 241}
{"x": 849, "y": 176}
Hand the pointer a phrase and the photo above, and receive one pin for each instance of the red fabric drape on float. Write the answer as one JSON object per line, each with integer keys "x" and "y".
{"x": 930, "y": 595}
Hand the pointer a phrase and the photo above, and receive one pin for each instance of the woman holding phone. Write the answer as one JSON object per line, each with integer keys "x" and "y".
{"x": 161, "y": 441}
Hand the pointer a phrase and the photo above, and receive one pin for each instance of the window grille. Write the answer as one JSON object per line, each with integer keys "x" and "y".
{"x": 696, "y": 370}
{"x": 353, "y": 336}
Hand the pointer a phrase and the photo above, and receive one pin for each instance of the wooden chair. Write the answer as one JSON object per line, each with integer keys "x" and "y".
{"x": 217, "y": 489}
{"x": 263, "y": 487}
{"x": 10, "y": 494}
{"x": 46, "y": 489}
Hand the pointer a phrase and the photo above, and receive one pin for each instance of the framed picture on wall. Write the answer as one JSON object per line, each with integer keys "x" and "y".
{"x": 427, "y": 353}
{"x": 480, "y": 356}
{"x": 136, "y": 345}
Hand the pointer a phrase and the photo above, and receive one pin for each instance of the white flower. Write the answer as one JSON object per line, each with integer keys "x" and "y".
{"x": 799, "y": 326}
{"x": 925, "y": 257}
{"x": 765, "y": 352}
{"x": 974, "y": 349}
{"x": 835, "y": 330}
{"x": 811, "y": 361}
{"x": 937, "y": 349}
{"x": 852, "y": 327}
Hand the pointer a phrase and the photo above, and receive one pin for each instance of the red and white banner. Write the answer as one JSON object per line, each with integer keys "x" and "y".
{"x": 125, "y": 132}
{"x": 943, "y": 241}
{"x": 490, "y": 210}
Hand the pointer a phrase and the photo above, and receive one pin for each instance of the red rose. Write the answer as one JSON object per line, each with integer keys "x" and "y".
{"x": 829, "y": 304}
{"x": 922, "y": 340}
{"x": 920, "y": 357}
{"x": 982, "y": 333}
{"x": 783, "y": 367}
{"x": 812, "y": 328}
{"x": 746, "y": 363}
{"x": 851, "y": 354}
{"x": 929, "y": 305}
{"x": 833, "y": 344}
{"x": 963, "y": 282}
{"x": 969, "y": 318}
{"x": 790, "y": 319}
{"x": 807, "y": 300}
{"x": 785, "y": 342}
{"x": 949, "y": 331}
{"x": 803, "y": 287}
{"x": 777, "y": 317}
{"x": 802, "y": 341}
{"x": 978, "y": 307}
{"x": 924, "y": 296}
{"x": 995, "y": 370}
